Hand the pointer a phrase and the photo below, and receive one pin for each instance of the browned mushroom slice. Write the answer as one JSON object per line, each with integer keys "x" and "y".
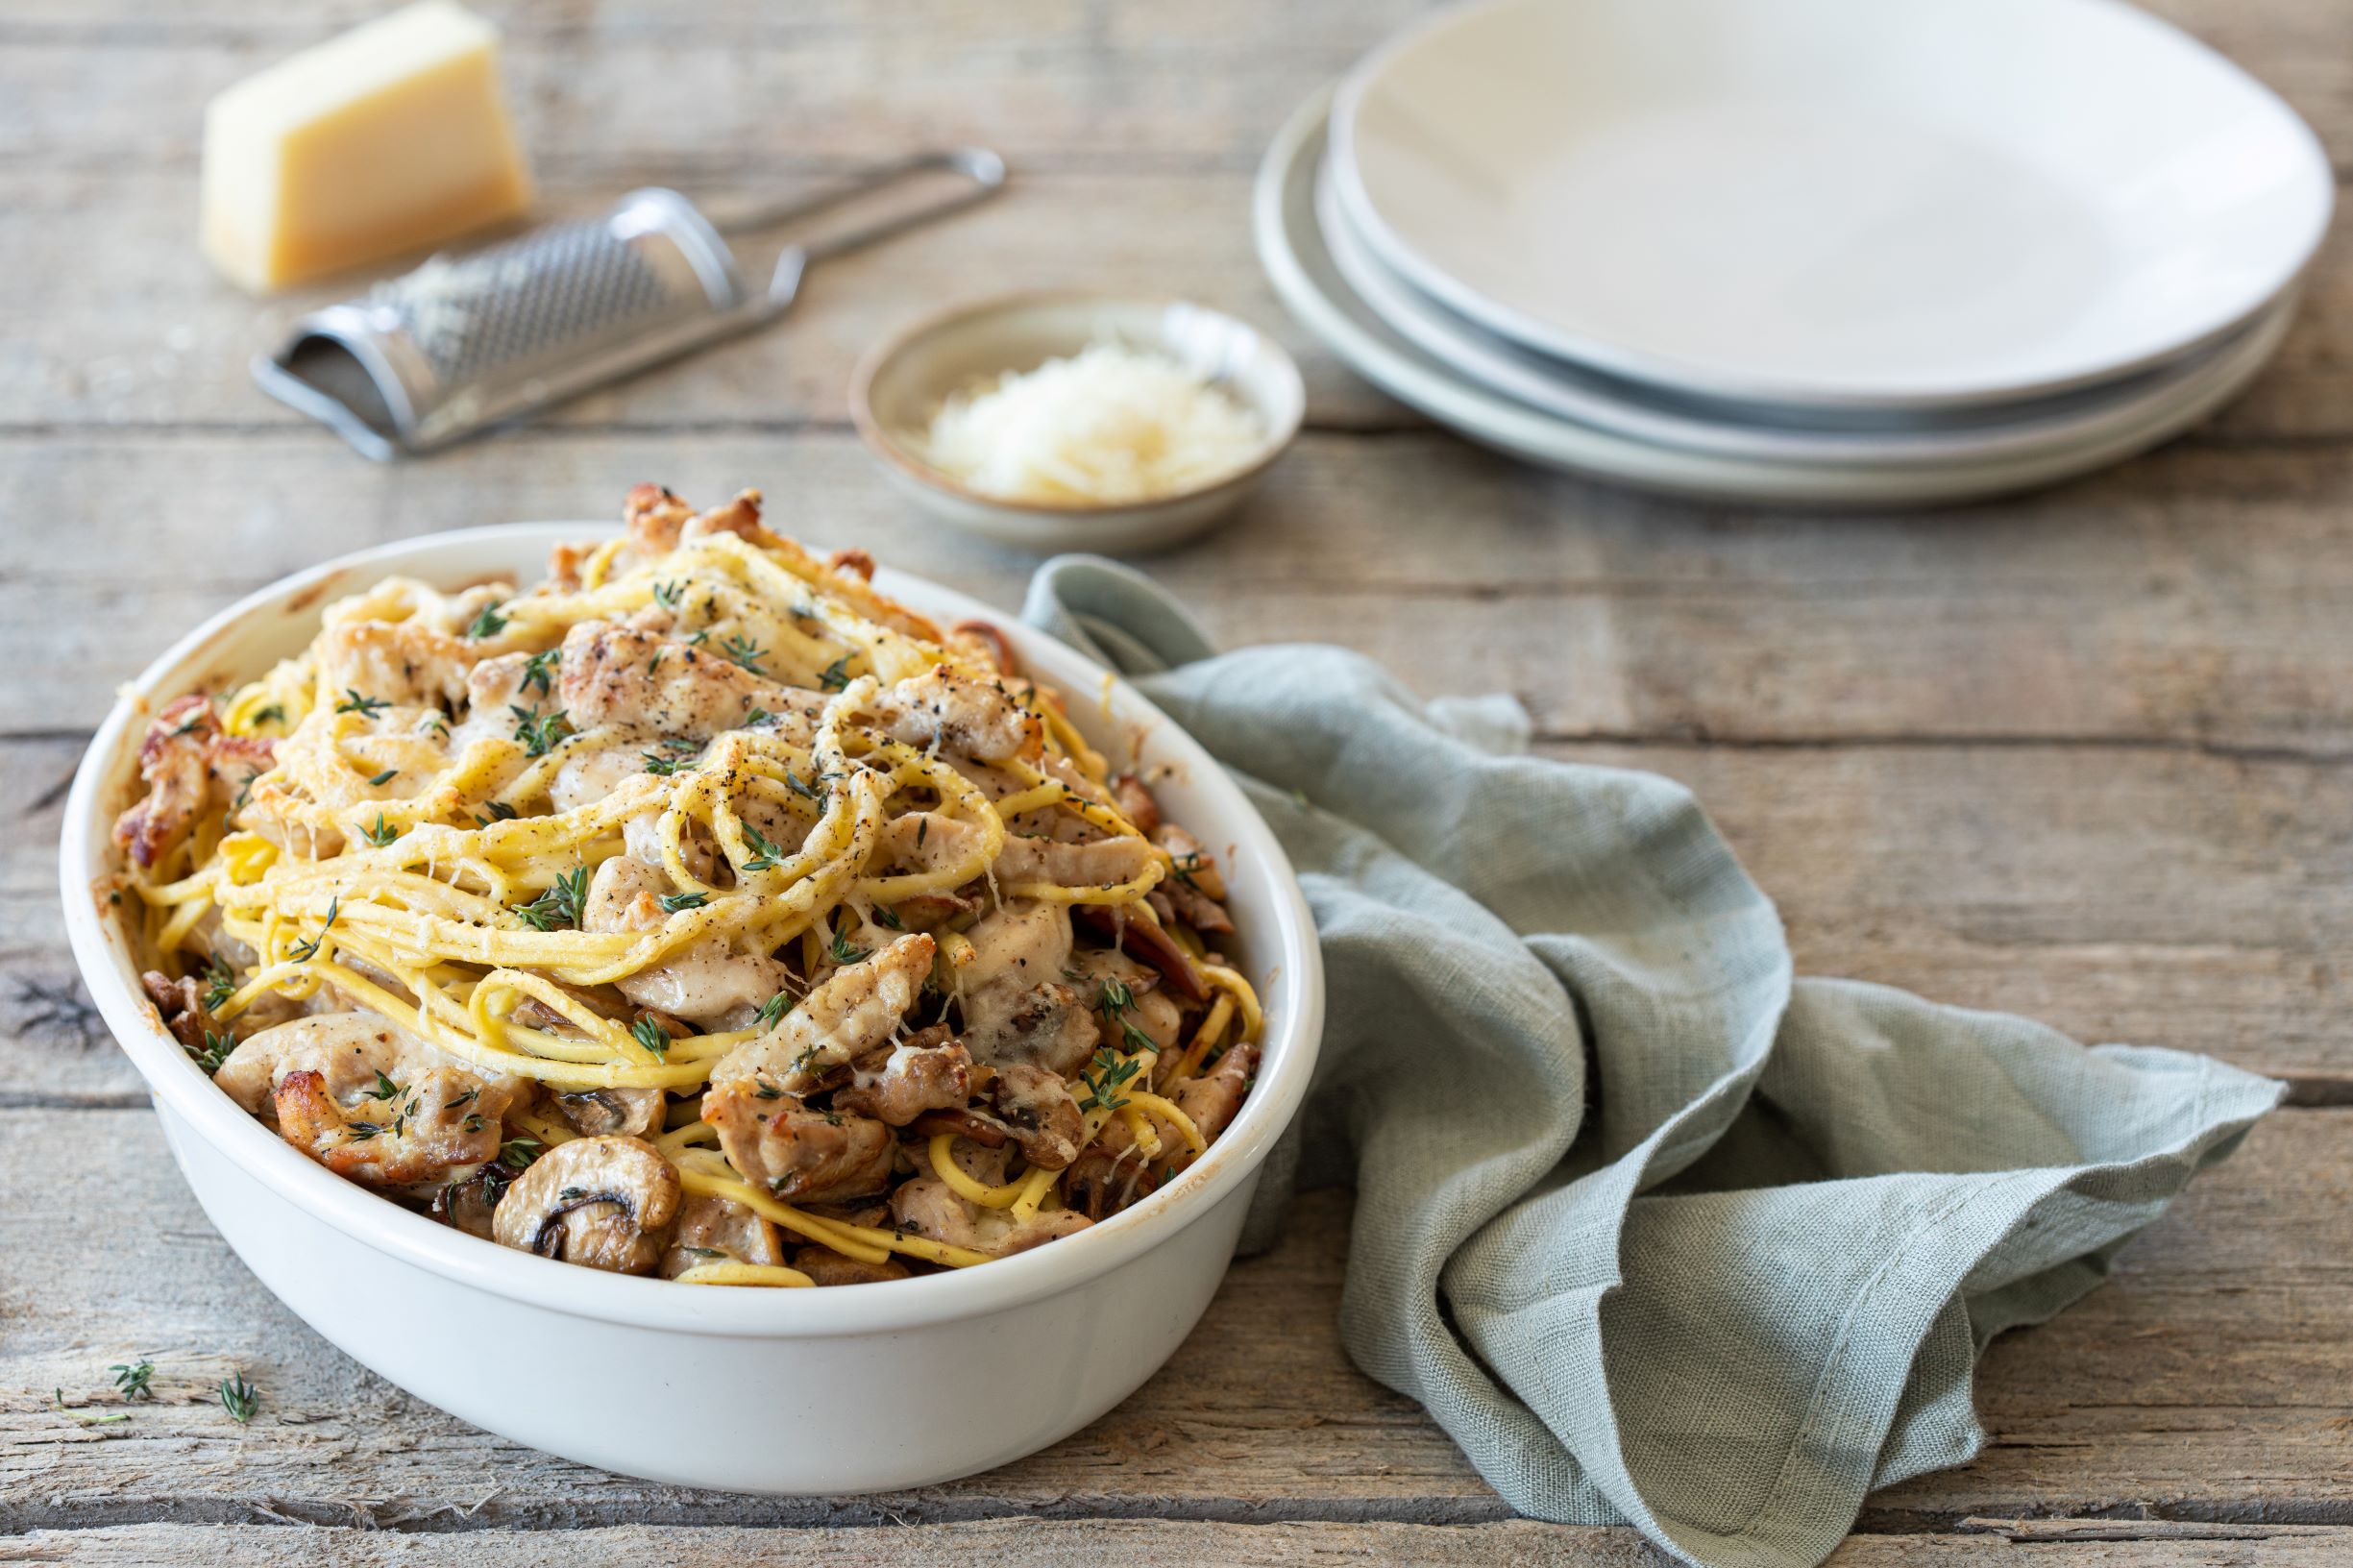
{"x": 608, "y": 1203}
{"x": 469, "y": 1204}
{"x": 827, "y": 1266}
{"x": 1144, "y": 939}
{"x": 984, "y": 1130}
{"x": 715, "y": 1230}
{"x": 985, "y": 644}
{"x": 632, "y": 1112}
{"x": 1135, "y": 802}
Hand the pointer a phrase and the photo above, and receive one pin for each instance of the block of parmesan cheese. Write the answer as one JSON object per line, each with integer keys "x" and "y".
{"x": 389, "y": 138}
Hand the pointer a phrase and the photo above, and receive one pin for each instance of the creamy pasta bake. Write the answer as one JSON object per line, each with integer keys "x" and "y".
{"x": 697, "y": 912}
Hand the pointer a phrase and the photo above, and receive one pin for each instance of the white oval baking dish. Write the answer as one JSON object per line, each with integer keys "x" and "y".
{"x": 858, "y": 1388}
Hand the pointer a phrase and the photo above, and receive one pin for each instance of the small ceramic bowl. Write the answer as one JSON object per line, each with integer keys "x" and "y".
{"x": 902, "y": 382}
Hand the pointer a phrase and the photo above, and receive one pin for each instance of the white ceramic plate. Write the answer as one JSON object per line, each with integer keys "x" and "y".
{"x": 1762, "y": 432}
{"x": 861, "y": 1389}
{"x": 1866, "y": 202}
{"x": 1291, "y": 248}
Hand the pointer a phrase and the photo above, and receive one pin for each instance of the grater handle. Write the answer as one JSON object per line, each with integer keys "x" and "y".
{"x": 982, "y": 170}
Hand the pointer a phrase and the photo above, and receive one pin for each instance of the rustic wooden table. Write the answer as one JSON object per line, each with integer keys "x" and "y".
{"x": 2087, "y": 756}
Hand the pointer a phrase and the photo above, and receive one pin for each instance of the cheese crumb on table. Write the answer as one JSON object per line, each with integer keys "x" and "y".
{"x": 1109, "y": 424}
{"x": 389, "y": 138}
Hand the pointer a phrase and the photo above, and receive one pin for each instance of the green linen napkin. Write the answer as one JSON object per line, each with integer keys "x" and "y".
{"x": 1657, "y": 1232}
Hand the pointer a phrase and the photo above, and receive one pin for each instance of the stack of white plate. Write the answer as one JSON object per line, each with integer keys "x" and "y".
{"x": 1862, "y": 252}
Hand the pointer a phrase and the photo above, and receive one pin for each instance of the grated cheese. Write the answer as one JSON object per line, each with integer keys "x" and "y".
{"x": 1109, "y": 425}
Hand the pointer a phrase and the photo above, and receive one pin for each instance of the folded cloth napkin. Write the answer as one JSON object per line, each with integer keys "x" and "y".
{"x": 1658, "y": 1233}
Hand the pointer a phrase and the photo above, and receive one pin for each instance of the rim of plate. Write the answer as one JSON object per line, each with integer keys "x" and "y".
{"x": 1675, "y": 373}
{"x": 1285, "y": 180}
{"x": 1575, "y": 393}
{"x": 104, "y": 959}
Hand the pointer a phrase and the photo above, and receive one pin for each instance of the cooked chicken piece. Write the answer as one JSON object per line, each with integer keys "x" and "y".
{"x": 1021, "y": 942}
{"x": 929, "y": 1207}
{"x": 985, "y": 644}
{"x": 1135, "y": 803}
{"x": 926, "y": 840}
{"x": 945, "y": 711}
{"x": 609, "y": 1203}
{"x": 1106, "y": 973}
{"x": 188, "y": 767}
{"x": 658, "y": 521}
{"x": 631, "y": 1113}
{"x": 1212, "y": 1098}
{"x": 858, "y": 1008}
{"x": 1036, "y": 1107}
{"x": 589, "y": 774}
{"x": 420, "y": 1131}
{"x": 702, "y": 981}
{"x": 660, "y": 686}
{"x": 407, "y": 663}
{"x": 801, "y": 1155}
{"x": 1100, "y": 863}
{"x": 714, "y": 1230}
{"x": 901, "y": 1083}
{"x": 827, "y": 1266}
{"x": 356, "y": 1053}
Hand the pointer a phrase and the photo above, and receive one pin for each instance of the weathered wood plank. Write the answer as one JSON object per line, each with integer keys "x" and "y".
{"x": 2197, "y": 595}
{"x": 2205, "y": 1382}
{"x": 1141, "y": 1542}
{"x": 2158, "y": 895}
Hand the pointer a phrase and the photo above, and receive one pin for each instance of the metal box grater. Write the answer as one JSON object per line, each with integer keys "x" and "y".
{"x": 466, "y": 342}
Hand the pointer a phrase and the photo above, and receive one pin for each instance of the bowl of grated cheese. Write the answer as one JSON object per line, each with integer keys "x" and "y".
{"x": 1063, "y": 421}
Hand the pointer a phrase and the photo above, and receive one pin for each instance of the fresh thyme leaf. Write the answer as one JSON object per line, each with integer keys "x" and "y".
{"x": 774, "y": 1008}
{"x": 756, "y": 718}
{"x": 132, "y": 1379}
{"x": 539, "y": 732}
{"x": 842, "y": 952}
{"x": 495, "y": 811}
{"x": 518, "y": 1153}
{"x": 799, "y": 786}
{"x": 305, "y": 951}
{"x": 666, "y": 594}
{"x": 835, "y": 676}
{"x": 383, "y": 778}
{"x": 217, "y": 1048}
{"x": 672, "y": 902}
{"x": 362, "y": 1131}
{"x": 489, "y": 624}
{"x": 922, "y": 829}
{"x": 456, "y": 1100}
{"x": 386, "y": 1089}
{"x": 274, "y": 713}
{"x": 240, "y": 1398}
{"x": 886, "y": 916}
{"x": 746, "y": 652}
{"x": 1107, "y": 1080}
{"x": 651, "y": 1035}
{"x": 1115, "y": 998}
{"x": 220, "y": 984}
{"x": 382, "y": 834}
{"x": 367, "y": 707}
{"x": 767, "y": 853}
{"x": 560, "y": 904}
{"x": 700, "y": 638}
{"x": 655, "y": 663}
{"x": 473, "y": 1122}
{"x": 1138, "y": 1039}
{"x": 535, "y": 672}
{"x": 662, "y": 767}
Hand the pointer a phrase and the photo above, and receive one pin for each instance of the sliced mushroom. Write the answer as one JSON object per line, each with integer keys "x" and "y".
{"x": 631, "y": 1113}
{"x": 1039, "y": 1111}
{"x": 1147, "y": 940}
{"x": 827, "y": 1266}
{"x": 469, "y": 1204}
{"x": 715, "y": 1230}
{"x": 609, "y": 1203}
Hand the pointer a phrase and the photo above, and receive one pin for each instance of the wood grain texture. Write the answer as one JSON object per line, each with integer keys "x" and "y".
{"x": 1141, "y": 1543}
{"x": 2204, "y": 1382}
